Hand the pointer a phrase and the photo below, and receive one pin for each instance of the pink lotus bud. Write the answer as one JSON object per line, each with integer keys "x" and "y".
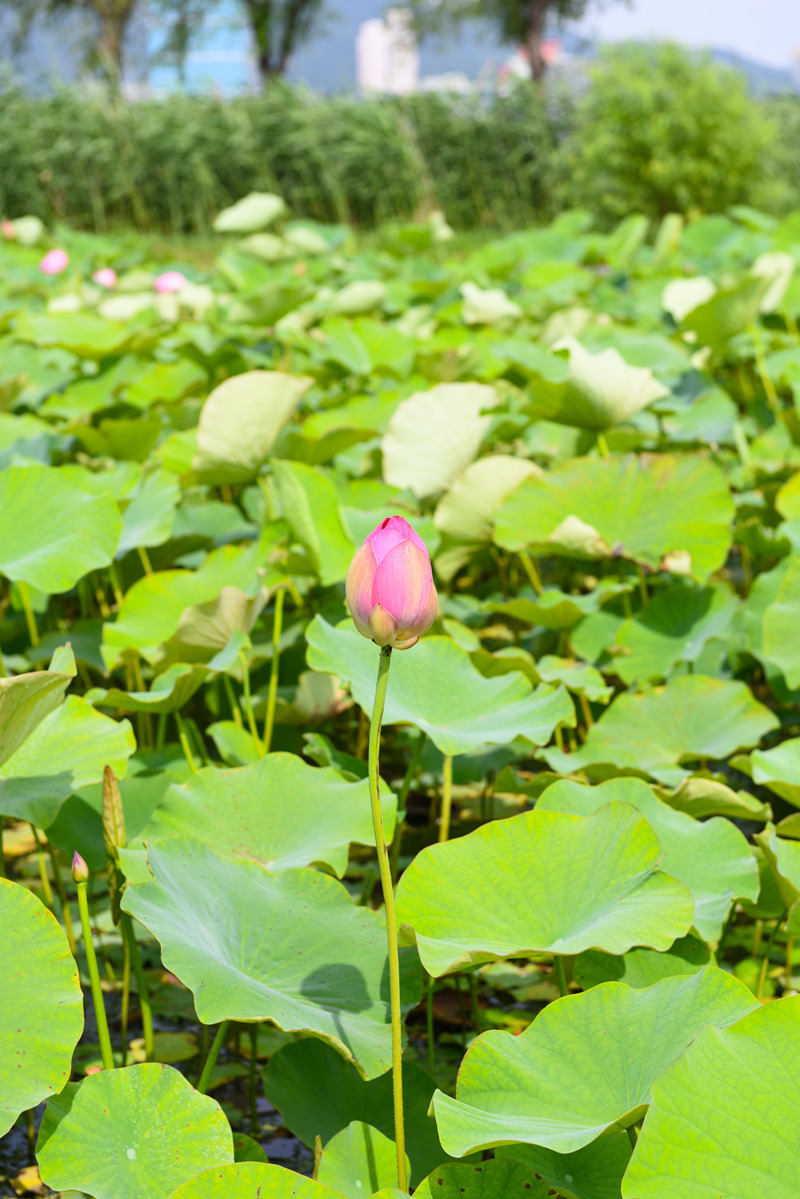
{"x": 105, "y": 277}
{"x": 80, "y": 871}
{"x": 390, "y": 589}
{"x": 54, "y": 262}
{"x": 170, "y": 281}
{"x": 8, "y": 230}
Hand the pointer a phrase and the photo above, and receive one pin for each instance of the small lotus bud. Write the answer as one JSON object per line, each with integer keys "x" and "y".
{"x": 105, "y": 277}
{"x": 390, "y": 590}
{"x": 8, "y": 230}
{"x": 170, "y": 281}
{"x": 80, "y": 871}
{"x": 54, "y": 262}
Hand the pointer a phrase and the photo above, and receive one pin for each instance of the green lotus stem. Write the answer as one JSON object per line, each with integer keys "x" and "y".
{"x": 248, "y": 706}
{"x": 381, "y": 684}
{"x": 94, "y": 978}
{"x": 531, "y": 571}
{"x": 632, "y": 1135}
{"x": 429, "y": 1026}
{"x": 789, "y": 954}
{"x": 253, "y": 1075}
{"x": 402, "y": 796}
{"x": 2, "y": 852}
{"x": 184, "y": 740}
{"x": 642, "y": 585}
{"x": 317, "y": 1156}
{"x": 30, "y": 619}
{"x": 62, "y": 898}
{"x": 587, "y": 711}
{"x": 235, "y": 710}
{"x": 272, "y": 694}
{"x": 462, "y": 1011}
{"x": 30, "y": 1128}
{"x": 2, "y": 666}
{"x": 602, "y": 444}
{"x": 211, "y": 1060}
{"x": 447, "y": 797}
{"x": 43, "y": 875}
{"x": 113, "y": 574}
{"x": 126, "y": 997}
{"x": 126, "y": 923}
{"x": 561, "y": 974}
{"x": 144, "y": 559}
{"x": 477, "y": 1023}
{"x": 763, "y": 372}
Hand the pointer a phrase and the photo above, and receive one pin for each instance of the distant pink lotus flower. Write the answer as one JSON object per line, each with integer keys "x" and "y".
{"x": 390, "y": 590}
{"x": 54, "y": 262}
{"x": 8, "y": 230}
{"x": 105, "y": 277}
{"x": 170, "y": 281}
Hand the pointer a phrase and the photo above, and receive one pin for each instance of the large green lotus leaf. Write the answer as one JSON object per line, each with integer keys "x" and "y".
{"x": 81, "y": 333}
{"x": 288, "y": 947}
{"x": 358, "y": 1160}
{"x": 783, "y": 857}
{"x": 498, "y": 1178}
{"x": 440, "y": 691}
{"x": 240, "y": 421}
{"x": 779, "y": 630}
{"x": 254, "y": 211}
{"x": 165, "y": 382}
{"x": 361, "y": 295}
{"x": 542, "y": 882}
{"x": 701, "y": 795}
{"x": 279, "y": 811}
{"x": 149, "y": 517}
{"x": 435, "y": 434}
{"x": 340, "y": 1095}
{"x": 662, "y": 511}
{"x": 487, "y": 306}
{"x": 673, "y": 627}
{"x": 601, "y": 390}
{"x": 151, "y": 610}
{"x": 641, "y": 967}
{"x": 723, "y": 1119}
{"x": 311, "y": 508}
{"x": 727, "y": 312}
{"x": 253, "y": 1180}
{"x": 66, "y": 751}
{"x": 53, "y": 530}
{"x": 779, "y": 769}
{"x": 464, "y": 515}
{"x": 692, "y": 717}
{"x": 557, "y": 609}
{"x": 682, "y": 296}
{"x": 712, "y": 858}
{"x": 594, "y": 1172}
{"x": 41, "y": 1004}
{"x": 135, "y": 1133}
{"x": 217, "y": 630}
{"x": 585, "y": 1066}
{"x": 25, "y": 700}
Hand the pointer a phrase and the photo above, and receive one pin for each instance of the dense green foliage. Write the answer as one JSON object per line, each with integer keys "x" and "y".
{"x": 657, "y": 129}
{"x": 590, "y": 762}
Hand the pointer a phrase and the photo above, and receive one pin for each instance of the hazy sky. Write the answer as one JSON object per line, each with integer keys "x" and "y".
{"x": 765, "y": 30}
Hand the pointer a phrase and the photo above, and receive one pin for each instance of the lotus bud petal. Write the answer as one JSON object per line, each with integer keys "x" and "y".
{"x": 170, "y": 281}
{"x": 54, "y": 262}
{"x": 80, "y": 871}
{"x": 390, "y": 590}
{"x": 105, "y": 277}
{"x": 8, "y": 230}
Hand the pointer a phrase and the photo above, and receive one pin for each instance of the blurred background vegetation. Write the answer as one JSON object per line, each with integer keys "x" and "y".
{"x": 654, "y": 129}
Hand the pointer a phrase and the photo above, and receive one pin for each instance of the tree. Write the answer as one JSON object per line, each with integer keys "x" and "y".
{"x": 278, "y": 28}
{"x": 519, "y": 21}
{"x": 112, "y": 20}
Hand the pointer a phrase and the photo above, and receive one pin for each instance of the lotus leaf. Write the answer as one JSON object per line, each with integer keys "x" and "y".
{"x": 26, "y": 699}
{"x": 691, "y": 718}
{"x": 239, "y": 960}
{"x": 647, "y": 509}
{"x": 241, "y": 420}
{"x": 711, "y": 858}
{"x": 162, "y": 1133}
{"x": 440, "y": 691}
{"x": 358, "y": 1160}
{"x": 41, "y": 1004}
{"x": 577, "y": 883}
{"x": 586, "y": 1065}
{"x": 718, "y": 1123}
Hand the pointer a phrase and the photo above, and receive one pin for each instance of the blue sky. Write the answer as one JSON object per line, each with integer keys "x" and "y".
{"x": 765, "y": 30}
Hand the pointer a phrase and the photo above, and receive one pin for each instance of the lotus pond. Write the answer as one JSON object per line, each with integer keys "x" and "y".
{"x": 590, "y": 763}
